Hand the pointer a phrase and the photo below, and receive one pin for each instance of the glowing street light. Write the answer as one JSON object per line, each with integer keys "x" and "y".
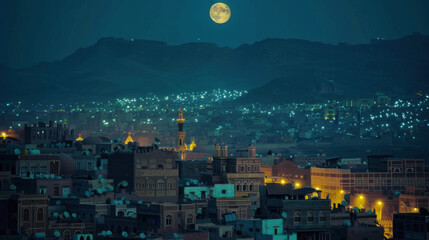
{"x": 380, "y": 203}
{"x": 283, "y": 182}
{"x": 341, "y": 191}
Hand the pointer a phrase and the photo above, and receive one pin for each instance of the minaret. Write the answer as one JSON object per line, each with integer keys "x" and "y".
{"x": 181, "y": 146}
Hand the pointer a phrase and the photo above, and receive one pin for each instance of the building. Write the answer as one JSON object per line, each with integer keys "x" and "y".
{"x": 395, "y": 175}
{"x": 32, "y": 213}
{"x": 301, "y": 211}
{"x": 243, "y": 171}
{"x": 156, "y": 175}
{"x": 263, "y": 229}
{"x": 411, "y": 226}
{"x": 48, "y": 134}
{"x": 219, "y": 207}
{"x": 290, "y": 172}
{"x": 348, "y": 224}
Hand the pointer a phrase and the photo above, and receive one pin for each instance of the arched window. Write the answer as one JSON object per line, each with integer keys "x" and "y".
{"x": 26, "y": 215}
{"x": 67, "y": 235}
{"x": 244, "y": 186}
{"x": 251, "y": 186}
{"x": 237, "y": 188}
{"x": 310, "y": 217}
{"x": 40, "y": 215}
{"x": 120, "y": 213}
{"x": 160, "y": 184}
{"x": 160, "y": 167}
{"x": 297, "y": 217}
{"x": 410, "y": 170}
{"x": 322, "y": 217}
{"x": 150, "y": 184}
{"x": 77, "y": 232}
{"x": 168, "y": 220}
{"x": 88, "y": 238}
{"x": 397, "y": 170}
{"x": 190, "y": 219}
{"x": 171, "y": 183}
{"x": 81, "y": 238}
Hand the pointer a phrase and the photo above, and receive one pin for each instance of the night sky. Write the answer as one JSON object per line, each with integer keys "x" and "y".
{"x": 47, "y": 30}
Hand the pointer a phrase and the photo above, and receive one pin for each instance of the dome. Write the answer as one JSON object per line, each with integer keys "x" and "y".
{"x": 67, "y": 165}
{"x": 93, "y": 140}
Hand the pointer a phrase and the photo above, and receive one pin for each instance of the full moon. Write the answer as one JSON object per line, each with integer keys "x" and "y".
{"x": 220, "y": 13}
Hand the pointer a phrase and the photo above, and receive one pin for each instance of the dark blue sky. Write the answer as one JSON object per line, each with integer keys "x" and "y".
{"x": 47, "y": 30}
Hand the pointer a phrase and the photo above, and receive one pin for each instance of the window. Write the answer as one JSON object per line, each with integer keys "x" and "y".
{"x": 171, "y": 183}
{"x": 223, "y": 191}
{"x": 150, "y": 184}
{"x": 297, "y": 217}
{"x": 26, "y": 215}
{"x": 251, "y": 187}
{"x": 322, "y": 217}
{"x": 237, "y": 188}
{"x": 160, "y": 184}
{"x": 56, "y": 191}
{"x": 310, "y": 217}
{"x": 40, "y": 215}
{"x": 168, "y": 220}
{"x": 67, "y": 235}
{"x": 42, "y": 190}
{"x": 66, "y": 191}
{"x": 190, "y": 219}
{"x": 244, "y": 186}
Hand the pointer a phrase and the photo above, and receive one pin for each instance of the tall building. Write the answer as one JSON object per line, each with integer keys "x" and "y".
{"x": 243, "y": 171}
{"x": 181, "y": 147}
{"x": 156, "y": 174}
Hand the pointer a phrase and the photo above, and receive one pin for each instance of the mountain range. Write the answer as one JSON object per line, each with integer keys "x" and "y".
{"x": 273, "y": 70}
